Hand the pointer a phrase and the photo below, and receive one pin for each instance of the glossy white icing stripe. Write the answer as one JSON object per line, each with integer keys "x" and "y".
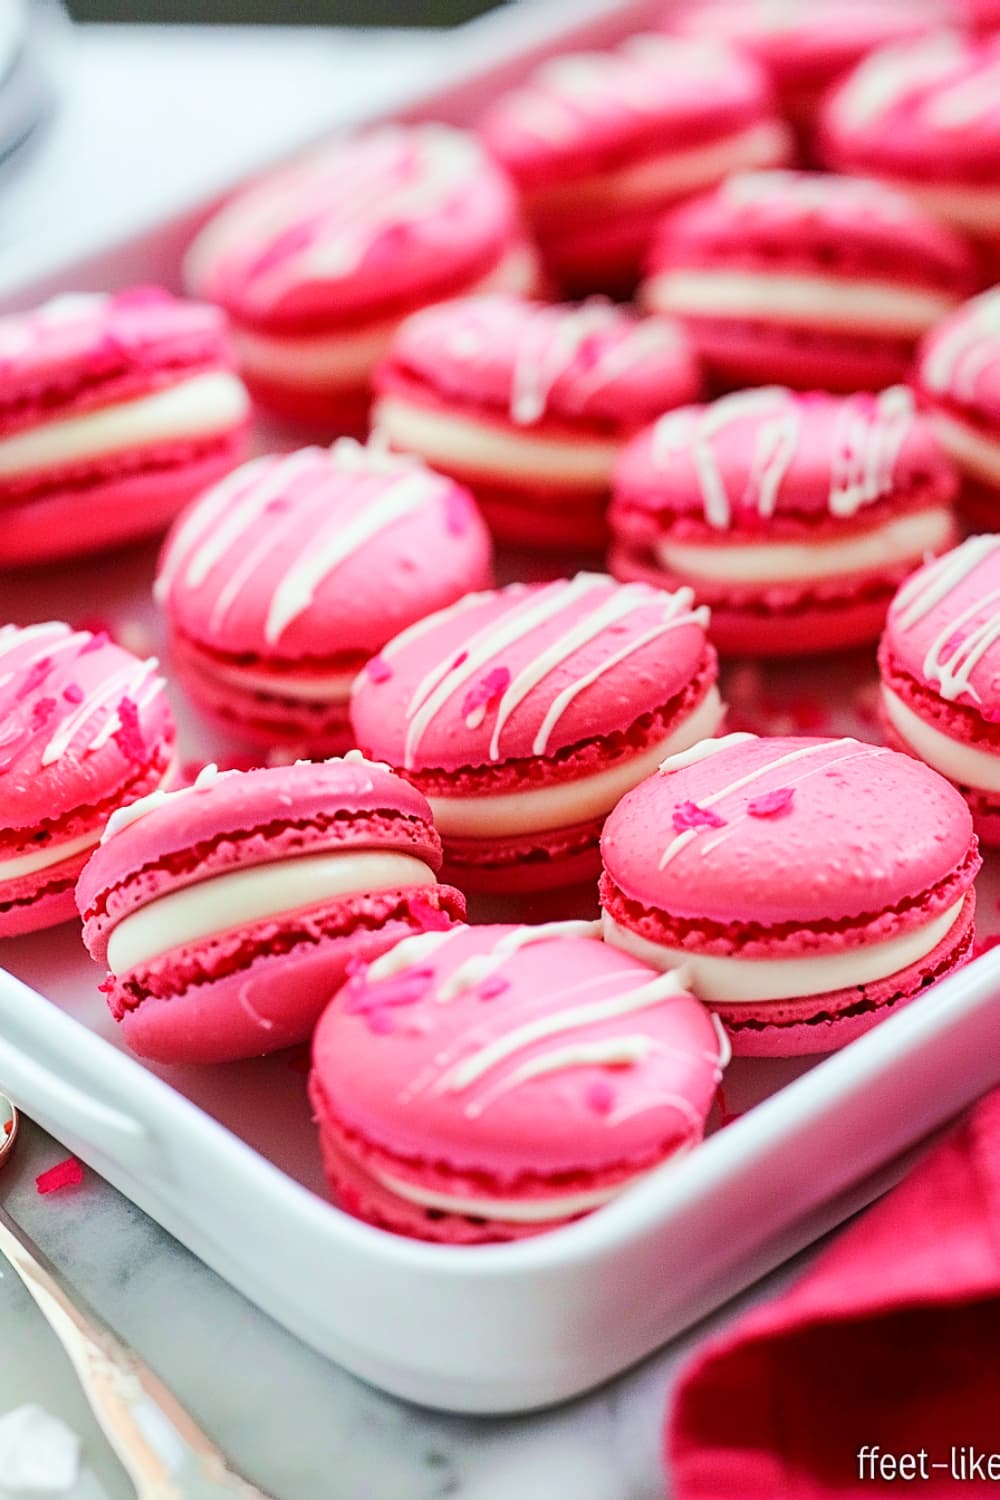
{"x": 738, "y": 981}
{"x": 867, "y": 440}
{"x": 133, "y": 811}
{"x": 702, "y": 751}
{"x": 954, "y": 653}
{"x": 836, "y": 303}
{"x": 832, "y": 750}
{"x": 569, "y": 802}
{"x": 481, "y": 965}
{"x": 547, "y": 348}
{"x": 411, "y": 951}
{"x": 231, "y": 514}
{"x": 229, "y": 901}
{"x": 962, "y": 763}
{"x": 615, "y": 1051}
{"x": 199, "y": 407}
{"x": 899, "y": 540}
{"x": 681, "y": 613}
{"x": 928, "y": 588}
{"x": 511, "y": 1210}
{"x": 109, "y": 692}
{"x": 533, "y": 610}
{"x": 324, "y": 551}
{"x": 691, "y": 432}
{"x": 625, "y": 601}
{"x": 470, "y": 1069}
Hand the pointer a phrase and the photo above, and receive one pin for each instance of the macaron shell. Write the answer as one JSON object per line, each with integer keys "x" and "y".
{"x": 87, "y": 350}
{"x": 506, "y": 1063}
{"x": 135, "y": 496}
{"x": 943, "y": 629}
{"x": 591, "y": 112}
{"x": 867, "y": 831}
{"x": 918, "y": 112}
{"x": 616, "y": 672}
{"x": 210, "y": 1004}
{"x": 705, "y": 468}
{"x": 824, "y": 1023}
{"x": 958, "y": 370}
{"x": 397, "y": 216}
{"x": 334, "y": 553}
{"x": 242, "y": 819}
{"x": 590, "y": 366}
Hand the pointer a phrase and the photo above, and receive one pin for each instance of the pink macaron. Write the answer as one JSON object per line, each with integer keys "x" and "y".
{"x": 525, "y": 713}
{"x": 600, "y": 143}
{"x": 808, "y": 279}
{"x": 957, "y": 378}
{"x": 281, "y": 582}
{"x": 318, "y": 262}
{"x": 923, "y": 115}
{"x": 114, "y": 412}
{"x": 488, "y": 1083}
{"x": 529, "y": 404}
{"x": 806, "y": 887}
{"x": 794, "y": 516}
{"x": 229, "y": 912}
{"x": 84, "y": 727}
{"x": 940, "y": 666}
{"x": 805, "y": 45}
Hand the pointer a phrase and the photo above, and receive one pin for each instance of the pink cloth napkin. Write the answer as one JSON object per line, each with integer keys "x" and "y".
{"x": 890, "y": 1342}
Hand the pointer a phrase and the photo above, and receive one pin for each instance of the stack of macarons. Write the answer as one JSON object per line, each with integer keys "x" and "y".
{"x": 770, "y": 450}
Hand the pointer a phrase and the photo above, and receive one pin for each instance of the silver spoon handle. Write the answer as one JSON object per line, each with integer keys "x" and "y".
{"x": 164, "y": 1452}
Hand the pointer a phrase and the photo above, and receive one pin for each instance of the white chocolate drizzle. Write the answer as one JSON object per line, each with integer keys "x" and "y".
{"x": 968, "y": 345}
{"x": 948, "y": 661}
{"x": 831, "y": 751}
{"x": 533, "y": 610}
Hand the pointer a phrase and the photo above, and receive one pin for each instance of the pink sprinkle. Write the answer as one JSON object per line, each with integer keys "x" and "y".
{"x": 128, "y": 735}
{"x": 34, "y": 678}
{"x": 68, "y": 1173}
{"x": 378, "y": 669}
{"x": 398, "y": 989}
{"x": 772, "y": 804}
{"x": 486, "y": 691}
{"x": 457, "y": 511}
{"x": 490, "y": 988}
{"x": 381, "y": 1022}
{"x": 430, "y": 918}
{"x": 462, "y": 657}
{"x": 690, "y": 815}
{"x": 42, "y": 711}
{"x": 73, "y": 693}
{"x": 600, "y": 1097}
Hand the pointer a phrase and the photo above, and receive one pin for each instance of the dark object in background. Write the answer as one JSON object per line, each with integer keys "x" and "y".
{"x": 285, "y": 12}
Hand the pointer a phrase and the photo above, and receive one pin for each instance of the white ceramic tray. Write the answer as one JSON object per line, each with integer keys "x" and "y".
{"x": 226, "y": 1159}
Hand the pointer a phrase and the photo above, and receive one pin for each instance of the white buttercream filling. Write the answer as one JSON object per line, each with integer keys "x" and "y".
{"x": 464, "y": 446}
{"x": 827, "y": 302}
{"x": 738, "y": 981}
{"x": 242, "y": 896}
{"x": 51, "y": 854}
{"x": 969, "y": 448}
{"x": 514, "y": 1210}
{"x": 206, "y": 404}
{"x": 899, "y": 540}
{"x": 347, "y": 359}
{"x": 335, "y": 687}
{"x": 959, "y": 762}
{"x": 671, "y": 173}
{"x": 563, "y": 805}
